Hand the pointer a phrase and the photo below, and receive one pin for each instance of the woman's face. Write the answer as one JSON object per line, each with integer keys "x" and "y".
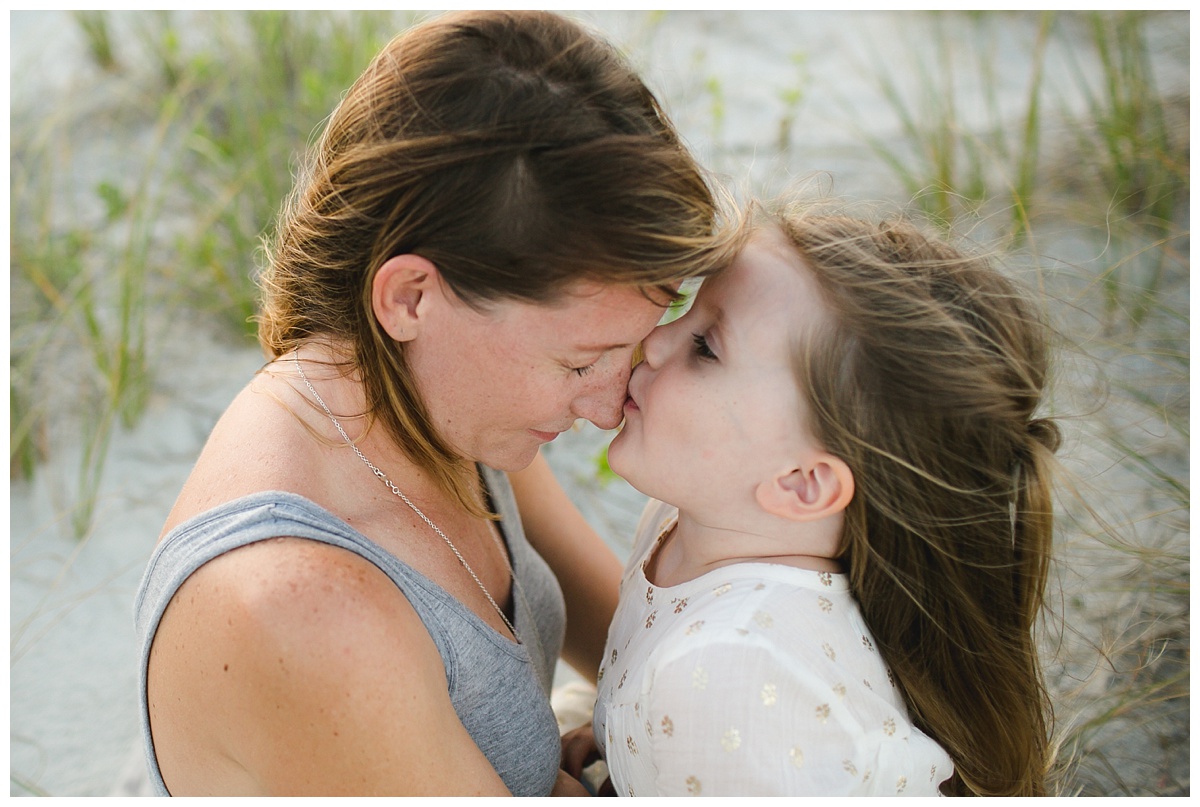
{"x": 715, "y": 408}
{"x": 501, "y": 383}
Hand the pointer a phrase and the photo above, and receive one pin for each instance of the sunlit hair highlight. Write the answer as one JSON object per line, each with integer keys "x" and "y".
{"x": 926, "y": 380}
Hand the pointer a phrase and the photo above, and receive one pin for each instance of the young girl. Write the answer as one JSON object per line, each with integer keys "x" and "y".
{"x": 835, "y": 590}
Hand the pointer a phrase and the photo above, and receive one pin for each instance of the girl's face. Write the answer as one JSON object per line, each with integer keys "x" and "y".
{"x": 714, "y": 409}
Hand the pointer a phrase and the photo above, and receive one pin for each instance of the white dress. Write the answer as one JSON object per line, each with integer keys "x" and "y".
{"x": 753, "y": 679}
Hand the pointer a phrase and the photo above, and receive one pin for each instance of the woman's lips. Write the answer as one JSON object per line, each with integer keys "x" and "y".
{"x": 545, "y": 437}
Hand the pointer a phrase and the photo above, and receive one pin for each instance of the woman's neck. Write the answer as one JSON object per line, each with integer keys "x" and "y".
{"x": 330, "y": 373}
{"x": 695, "y": 547}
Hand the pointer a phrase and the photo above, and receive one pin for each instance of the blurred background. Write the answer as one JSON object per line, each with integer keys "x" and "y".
{"x": 150, "y": 151}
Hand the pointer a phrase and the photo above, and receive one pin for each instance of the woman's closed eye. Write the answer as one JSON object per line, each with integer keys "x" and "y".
{"x": 582, "y": 371}
{"x": 702, "y": 348}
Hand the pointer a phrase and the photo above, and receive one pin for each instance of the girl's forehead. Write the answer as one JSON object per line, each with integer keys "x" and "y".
{"x": 769, "y": 291}
{"x": 767, "y": 265}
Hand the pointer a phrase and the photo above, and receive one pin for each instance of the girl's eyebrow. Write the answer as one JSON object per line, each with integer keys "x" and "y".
{"x": 718, "y": 313}
{"x": 718, "y": 331}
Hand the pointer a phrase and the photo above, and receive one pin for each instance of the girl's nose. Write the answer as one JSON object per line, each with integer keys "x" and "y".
{"x": 656, "y": 346}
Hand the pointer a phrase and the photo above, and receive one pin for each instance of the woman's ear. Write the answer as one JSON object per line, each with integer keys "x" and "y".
{"x": 823, "y": 488}
{"x": 400, "y": 294}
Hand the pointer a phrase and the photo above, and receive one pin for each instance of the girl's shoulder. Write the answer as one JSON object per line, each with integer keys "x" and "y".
{"x": 657, "y": 517}
{"x": 795, "y": 613}
{"x": 768, "y": 592}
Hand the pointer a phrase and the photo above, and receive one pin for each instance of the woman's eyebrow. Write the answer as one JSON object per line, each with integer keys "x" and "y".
{"x": 602, "y": 348}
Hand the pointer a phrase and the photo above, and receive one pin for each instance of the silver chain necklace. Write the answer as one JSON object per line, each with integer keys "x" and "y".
{"x": 383, "y": 478}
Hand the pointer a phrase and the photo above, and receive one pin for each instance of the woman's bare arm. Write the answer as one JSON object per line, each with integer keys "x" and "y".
{"x": 588, "y": 571}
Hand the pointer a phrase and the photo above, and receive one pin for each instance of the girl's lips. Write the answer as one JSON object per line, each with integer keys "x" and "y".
{"x": 631, "y": 405}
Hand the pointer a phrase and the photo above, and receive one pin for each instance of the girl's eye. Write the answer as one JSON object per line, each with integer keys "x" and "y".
{"x": 702, "y": 349}
{"x": 582, "y": 371}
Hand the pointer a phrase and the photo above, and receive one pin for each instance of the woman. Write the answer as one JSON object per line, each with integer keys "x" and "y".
{"x": 494, "y": 217}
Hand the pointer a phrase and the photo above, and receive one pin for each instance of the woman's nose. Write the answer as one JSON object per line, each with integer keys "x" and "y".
{"x": 603, "y": 404}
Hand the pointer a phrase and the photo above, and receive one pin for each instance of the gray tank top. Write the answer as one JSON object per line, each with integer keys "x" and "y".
{"x": 499, "y": 689}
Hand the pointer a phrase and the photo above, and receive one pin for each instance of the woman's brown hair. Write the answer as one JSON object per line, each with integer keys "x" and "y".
{"x": 515, "y": 151}
{"x": 926, "y": 382}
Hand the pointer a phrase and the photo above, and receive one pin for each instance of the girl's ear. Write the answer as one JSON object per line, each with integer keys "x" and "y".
{"x": 400, "y": 295}
{"x": 824, "y": 488}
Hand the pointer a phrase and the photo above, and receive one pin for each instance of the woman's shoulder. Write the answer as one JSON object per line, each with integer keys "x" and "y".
{"x": 257, "y": 444}
{"x": 294, "y": 592}
{"x": 284, "y": 637}
{"x": 290, "y": 606}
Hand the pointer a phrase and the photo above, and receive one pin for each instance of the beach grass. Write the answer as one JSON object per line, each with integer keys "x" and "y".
{"x": 961, "y": 155}
{"x": 223, "y": 128}
{"x": 243, "y": 154}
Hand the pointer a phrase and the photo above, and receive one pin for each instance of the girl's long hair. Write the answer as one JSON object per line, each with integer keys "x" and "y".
{"x": 927, "y": 384}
